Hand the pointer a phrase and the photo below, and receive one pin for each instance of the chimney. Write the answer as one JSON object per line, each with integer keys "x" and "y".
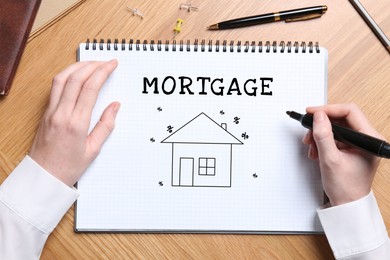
{"x": 224, "y": 126}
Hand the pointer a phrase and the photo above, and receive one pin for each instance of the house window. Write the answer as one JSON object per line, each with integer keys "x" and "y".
{"x": 207, "y": 166}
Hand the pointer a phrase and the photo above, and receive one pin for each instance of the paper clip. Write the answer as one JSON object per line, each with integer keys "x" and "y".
{"x": 177, "y": 28}
{"x": 135, "y": 11}
{"x": 189, "y": 7}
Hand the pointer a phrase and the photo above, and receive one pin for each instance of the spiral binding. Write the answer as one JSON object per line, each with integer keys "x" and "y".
{"x": 202, "y": 46}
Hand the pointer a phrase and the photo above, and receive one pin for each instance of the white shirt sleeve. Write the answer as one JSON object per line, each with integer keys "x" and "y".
{"x": 356, "y": 230}
{"x": 32, "y": 202}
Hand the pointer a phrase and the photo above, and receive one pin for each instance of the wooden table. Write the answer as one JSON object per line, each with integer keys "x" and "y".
{"x": 359, "y": 71}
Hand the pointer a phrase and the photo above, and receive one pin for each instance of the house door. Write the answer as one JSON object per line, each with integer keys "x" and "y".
{"x": 186, "y": 172}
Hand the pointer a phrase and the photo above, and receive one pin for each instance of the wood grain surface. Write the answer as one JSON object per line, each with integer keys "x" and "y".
{"x": 359, "y": 72}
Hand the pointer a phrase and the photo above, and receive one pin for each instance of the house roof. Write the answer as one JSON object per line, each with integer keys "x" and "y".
{"x": 202, "y": 129}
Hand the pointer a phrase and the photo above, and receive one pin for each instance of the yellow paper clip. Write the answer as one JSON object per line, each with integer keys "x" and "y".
{"x": 177, "y": 28}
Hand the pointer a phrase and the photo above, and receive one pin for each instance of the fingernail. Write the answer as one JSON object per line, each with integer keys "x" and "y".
{"x": 310, "y": 152}
{"x": 305, "y": 138}
{"x": 311, "y": 109}
{"x": 116, "y": 107}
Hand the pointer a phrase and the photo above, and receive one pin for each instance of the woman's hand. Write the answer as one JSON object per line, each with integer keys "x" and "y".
{"x": 63, "y": 146}
{"x": 347, "y": 173}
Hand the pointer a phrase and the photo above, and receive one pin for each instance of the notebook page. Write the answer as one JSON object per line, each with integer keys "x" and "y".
{"x": 202, "y": 142}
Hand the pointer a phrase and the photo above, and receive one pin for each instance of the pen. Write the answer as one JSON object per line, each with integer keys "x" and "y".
{"x": 371, "y": 23}
{"x": 287, "y": 16}
{"x": 348, "y": 136}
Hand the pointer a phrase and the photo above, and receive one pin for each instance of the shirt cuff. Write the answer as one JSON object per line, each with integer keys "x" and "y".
{"x": 36, "y": 195}
{"x": 354, "y": 227}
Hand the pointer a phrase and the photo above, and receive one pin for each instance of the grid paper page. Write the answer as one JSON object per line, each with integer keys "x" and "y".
{"x": 202, "y": 142}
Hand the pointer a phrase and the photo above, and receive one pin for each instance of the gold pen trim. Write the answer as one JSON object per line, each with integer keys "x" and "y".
{"x": 213, "y": 27}
{"x": 276, "y": 17}
{"x": 303, "y": 18}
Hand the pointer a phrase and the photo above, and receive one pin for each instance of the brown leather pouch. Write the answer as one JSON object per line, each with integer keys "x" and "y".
{"x": 16, "y": 20}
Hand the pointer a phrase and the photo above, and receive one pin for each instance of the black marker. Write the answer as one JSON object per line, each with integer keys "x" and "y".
{"x": 348, "y": 136}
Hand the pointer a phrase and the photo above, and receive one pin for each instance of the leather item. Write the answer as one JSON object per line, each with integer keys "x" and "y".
{"x": 16, "y": 20}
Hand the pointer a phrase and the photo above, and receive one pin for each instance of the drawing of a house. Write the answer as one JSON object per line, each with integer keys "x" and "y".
{"x": 202, "y": 153}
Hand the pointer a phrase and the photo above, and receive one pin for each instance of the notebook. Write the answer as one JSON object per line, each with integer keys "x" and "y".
{"x": 202, "y": 141}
